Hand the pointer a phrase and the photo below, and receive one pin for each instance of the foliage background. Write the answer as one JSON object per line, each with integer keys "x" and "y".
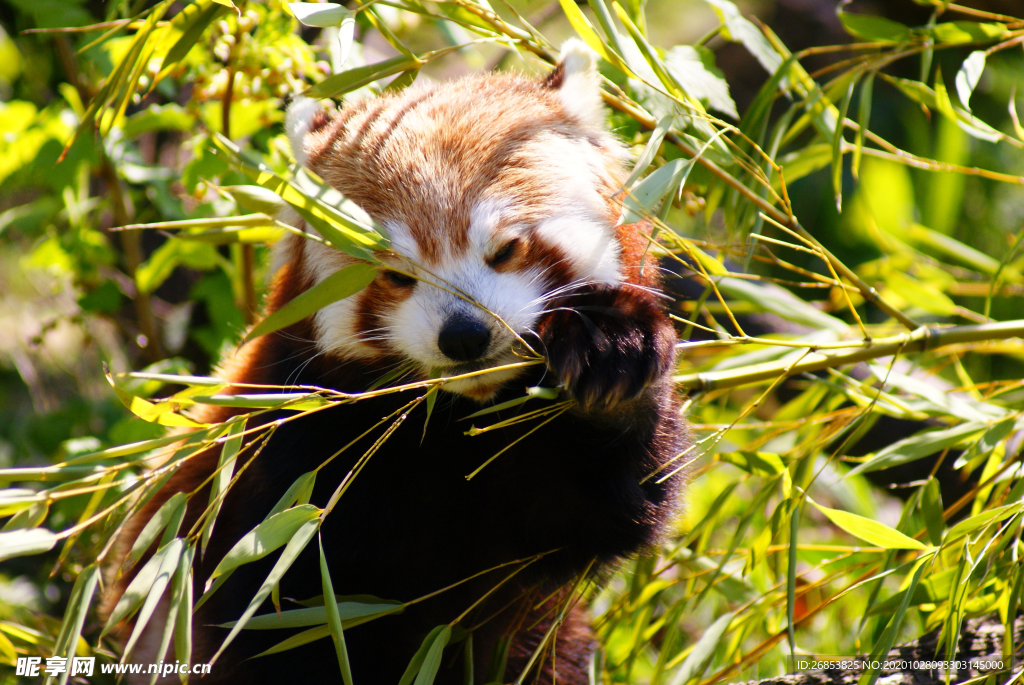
{"x": 940, "y": 243}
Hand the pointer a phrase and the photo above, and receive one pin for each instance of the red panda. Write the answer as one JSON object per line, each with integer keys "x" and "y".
{"x": 502, "y": 188}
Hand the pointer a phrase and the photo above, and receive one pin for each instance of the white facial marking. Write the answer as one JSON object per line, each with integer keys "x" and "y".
{"x": 579, "y": 224}
{"x": 297, "y": 123}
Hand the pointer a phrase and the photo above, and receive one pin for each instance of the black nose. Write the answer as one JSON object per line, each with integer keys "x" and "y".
{"x": 463, "y": 339}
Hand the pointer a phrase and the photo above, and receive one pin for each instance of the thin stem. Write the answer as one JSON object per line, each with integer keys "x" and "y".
{"x": 917, "y": 341}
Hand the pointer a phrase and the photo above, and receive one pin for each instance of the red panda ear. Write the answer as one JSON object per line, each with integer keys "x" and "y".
{"x": 304, "y": 116}
{"x": 578, "y": 83}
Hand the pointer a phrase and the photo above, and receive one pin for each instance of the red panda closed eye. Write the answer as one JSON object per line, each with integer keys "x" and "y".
{"x": 497, "y": 194}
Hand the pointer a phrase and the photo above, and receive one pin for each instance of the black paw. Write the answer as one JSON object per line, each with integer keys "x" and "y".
{"x": 606, "y": 346}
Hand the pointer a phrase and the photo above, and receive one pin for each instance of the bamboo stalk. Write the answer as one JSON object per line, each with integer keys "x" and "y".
{"x": 920, "y": 340}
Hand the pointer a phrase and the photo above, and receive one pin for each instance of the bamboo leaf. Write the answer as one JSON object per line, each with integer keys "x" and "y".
{"x": 319, "y": 14}
{"x": 334, "y": 618}
{"x": 79, "y": 603}
{"x": 291, "y": 552}
{"x": 256, "y": 199}
{"x": 427, "y": 657}
{"x": 968, "y": 77}
{"x": 738, "y": 29}
{"x": 651, "y": 149}
{"x": 182, "y": 578}
{"x": 869, "y": 530}
{"x": 837, "y": 148}
{"x": 192, "y": 20}
{"x": 303, "y": 638}
{"x": 874, "y": 28}
{"x": 273, "y": 532}
{"x": 917, "y": 446}
{"x": 225, "y": 469}
{"x": 702, "y": 652}
{"x": 888, "y": 638}
{"x": 957, "y": 32}
{"x": 339, "y": 285}
{"x": 357, "y": 77}
{"x": 144, "y": 592}
{"x": 969, "y": 525}
{"x": 931, "y": 511}
{"x": 20, "y": 543}
{"x": 183, "y": 617}
{"x": 350, "y": 613}
{"x": 172, "y": 509}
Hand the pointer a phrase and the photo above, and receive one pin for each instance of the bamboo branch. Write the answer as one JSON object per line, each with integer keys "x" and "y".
{"x": 920, "y": 340}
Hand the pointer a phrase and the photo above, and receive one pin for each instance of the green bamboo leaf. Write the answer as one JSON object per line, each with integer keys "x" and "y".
{"x": 917, "y": 446}
{"x": 957, "y": 32}
{"x": 31, "y": 516}
{"x": 803, "y": 162}
{"x": 401, "y": 82}
{"x": 225, "y": 470}
{"x": 952, "y": 248}
{"x": 350, "y": 613}
{"x": 295, "y": 401}
{"x": 183, "y": 617}
{"x": 868, "y": 530}
{"x": 344, "y": 232}
{"x": 888, "y": 638}
{"x": 303, "y": 638}
{"x": 431, "y": 400}
{"x": 334, "y": 618}
{"x": 702, "y": 652}
{"x": 694, "y": 70}
{"x": 172, "y": 509}
{"x": 863, "y": 119}
{"x": 968, "y": 77}
{"x": 302, "y": 486}
{"x": 738, "y": 29}
{"x": 319, "y": 14}
{"x": 931, "y": 511}
{"x": 169, "y": 555}
{"x": 193, "y": 20}
{"x": 778, "y": 300}
{"x": 273, "y": 532}
{"x": 182, "y": 578}
{"x": 652, "y": 147}
{"x": 920, "y": 294}
{"x": 136, "y": 447}
{"x": 79, "y": 603}
{"x": 347, "y": 81}
{"x": 13, "y": 500}
{"x": 382, "y": 26}
{"x": 873, "y": 28}
{"x": 291, "y": 552}
{"x": 427, "y": 659}
{"x": 987, "y": 442}
{"x": 256, "y": 199}
{"x": 837, "y": 148}
{"x": 344, "y": 283}
{"x": 969, "y": 525}
{"x": 20, "y": 543}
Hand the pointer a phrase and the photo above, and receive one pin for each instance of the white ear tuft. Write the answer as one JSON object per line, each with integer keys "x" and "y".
{"x": 580, "y": 89}
{"x": 297, "y": 122}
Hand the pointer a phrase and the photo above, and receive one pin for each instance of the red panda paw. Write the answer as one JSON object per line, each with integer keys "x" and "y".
{"x": 607, "y": 346}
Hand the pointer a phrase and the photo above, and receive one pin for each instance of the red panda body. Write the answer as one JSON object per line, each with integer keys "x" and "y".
{"x": 499, "y": 188}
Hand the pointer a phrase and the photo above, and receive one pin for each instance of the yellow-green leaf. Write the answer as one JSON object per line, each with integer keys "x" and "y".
{"x": 868, "y": 530}
{"x": 337, "y": 286}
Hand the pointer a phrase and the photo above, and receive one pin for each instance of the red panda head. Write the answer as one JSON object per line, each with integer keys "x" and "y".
{"x": 496, "y": 192}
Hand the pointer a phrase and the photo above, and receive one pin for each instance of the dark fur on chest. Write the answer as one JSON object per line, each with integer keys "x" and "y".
{"x": 411, "y": 524}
